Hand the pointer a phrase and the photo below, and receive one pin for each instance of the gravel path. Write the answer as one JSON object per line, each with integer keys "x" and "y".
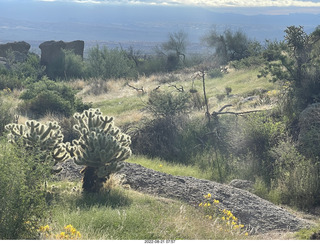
{"x": 257, "y": 214}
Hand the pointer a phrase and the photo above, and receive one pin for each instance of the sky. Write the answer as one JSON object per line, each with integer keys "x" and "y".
{"x": 210, "y": 3}
{"x": 249, "y": 7}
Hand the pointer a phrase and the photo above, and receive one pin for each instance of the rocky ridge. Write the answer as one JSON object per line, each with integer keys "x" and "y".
{"x": 257, "y": 214}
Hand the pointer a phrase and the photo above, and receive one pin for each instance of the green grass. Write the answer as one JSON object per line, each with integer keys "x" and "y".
{"x": 242, "y": 82}
{"x": 117, "y": 106}
{"x": 120, "y": 214}
{"x": 169, "y": 167}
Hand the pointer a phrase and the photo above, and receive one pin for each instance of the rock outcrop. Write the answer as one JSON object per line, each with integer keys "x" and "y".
{"x": 52, "y": 55}
{"x": 19, "y": 47}
{"x": 257, "y": 214}
{"x": 13, "y": 52}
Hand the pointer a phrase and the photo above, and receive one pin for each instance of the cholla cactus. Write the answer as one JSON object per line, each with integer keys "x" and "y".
{"x": 35, "y": 135}
{"x": 100, "y": 147}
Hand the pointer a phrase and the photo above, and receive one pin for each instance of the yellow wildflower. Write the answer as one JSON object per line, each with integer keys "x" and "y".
{"x": 216, "y": 201}
{"x": 223, "y": 218}
{"x": 200, "y": 205}
{"x": 246, "y": 234}
{"x": 44, "y": 228}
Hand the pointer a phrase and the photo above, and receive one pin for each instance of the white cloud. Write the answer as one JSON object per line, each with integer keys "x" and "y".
{"x": 209, "y": 3}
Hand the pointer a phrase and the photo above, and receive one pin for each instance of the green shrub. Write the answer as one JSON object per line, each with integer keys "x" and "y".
{"x": 6, "y": 114}
{"x": 110, "y": 63}
{"x": 49, "y": 96}
{"x": 21, "y": 73}
{"x": 259, "y": 133}
{"x": 153, "y": 64}
{"x": 11, "y": 81}
{"x": 74, "y": 67}
{"x": 30, "y": 70}
{"x": 22, "y": 197}
{"x": 309, "y": 135}
{"x": 296, "y": 177}
{"x": 168, "y": 104}
{"x": 160, "y": 136}
{"x": 215, "y": 73}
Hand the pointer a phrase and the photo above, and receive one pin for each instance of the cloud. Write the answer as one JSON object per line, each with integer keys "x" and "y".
{"x": 207, "y": 3}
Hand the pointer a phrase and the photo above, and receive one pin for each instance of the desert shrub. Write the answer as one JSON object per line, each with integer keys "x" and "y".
{"x": 49, "y": 96}
{"x": 22, "y": 201}
{"x": 110, "y": 63}
{"x": 220, "y": 97}
{"x": 97, "y": 86}
{"x": 168, "y": 78}
{"x": 30, "y": 70}
{"x": 160, "y": 136}
{"x": 296, "y": 177}
{"x": 21, "y": 73}
{"x": 197, "y": 101}
{"x": 173, "y": 62}
{"x": 256, "y": 135}
{"x": 6, "y": 114}
{"x": 153, "y": 64}
{"x": 215, "y": 73}
{"x": 247, "y": 62}
{"x": 9, "y": 80}
{"x": 74, "y": 67}
{"x": 168, "y": 104}
{"x": 309, "y": 135}
{"x": 208, "y": 146}
{"x": 67, "y": 123}
{"x": 228, "y": 90}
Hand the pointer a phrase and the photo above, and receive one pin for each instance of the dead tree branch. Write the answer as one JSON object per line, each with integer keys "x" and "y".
{"x": 181, "y": 89}
{"x": 137, "y": 89}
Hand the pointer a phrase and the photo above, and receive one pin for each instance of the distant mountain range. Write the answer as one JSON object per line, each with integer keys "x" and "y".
{"x": 138, "y": 26}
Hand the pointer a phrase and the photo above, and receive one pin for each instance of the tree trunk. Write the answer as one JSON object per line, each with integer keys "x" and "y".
{"x": 90, "y": 181}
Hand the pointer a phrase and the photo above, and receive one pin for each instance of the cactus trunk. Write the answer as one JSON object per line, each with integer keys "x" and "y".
{"x": 90, "y": 181}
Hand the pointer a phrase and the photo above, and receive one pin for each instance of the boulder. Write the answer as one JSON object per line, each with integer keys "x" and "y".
{"x": 52, "y": 55}
{"x": 18, "y": 47}
{"x": 257, "y": 214}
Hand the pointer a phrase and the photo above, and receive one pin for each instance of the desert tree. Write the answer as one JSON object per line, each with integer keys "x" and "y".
{"x": 177, "y": 44}
{"x": 295, "y": 63}
{"x": 174, "y": 49}
{"x": 229, "y": 45}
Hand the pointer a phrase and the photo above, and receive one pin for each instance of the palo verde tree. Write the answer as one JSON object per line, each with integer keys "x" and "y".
{"x": 100, "y": 147}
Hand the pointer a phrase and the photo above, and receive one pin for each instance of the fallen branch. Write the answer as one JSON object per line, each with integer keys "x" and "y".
{"x": 214, "y": 114}
{"x": 137, "y": 89}
{"x": 181, "y": 89}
